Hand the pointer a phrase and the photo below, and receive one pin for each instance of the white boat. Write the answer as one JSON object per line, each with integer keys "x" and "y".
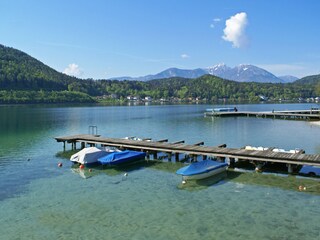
{"x": 203, "y": 169}
{"x": 280, "y": 150}
{"x": 89, "y": 155}
{"x": 255, "y": 148}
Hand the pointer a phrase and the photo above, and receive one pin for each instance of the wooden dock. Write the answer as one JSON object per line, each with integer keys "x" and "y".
{"x": 312, "y": 114}
{"x": 175, "y": 149}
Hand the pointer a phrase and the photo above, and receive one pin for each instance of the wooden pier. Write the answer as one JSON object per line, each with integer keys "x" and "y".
{"x": 312, "y": 114}
{"x": 175, "y": 149}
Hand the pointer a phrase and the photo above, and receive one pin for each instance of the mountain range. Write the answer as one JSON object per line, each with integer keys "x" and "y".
{"x": 240, "y": 73}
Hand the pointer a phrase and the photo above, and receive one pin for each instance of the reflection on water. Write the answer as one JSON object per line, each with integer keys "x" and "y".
{"x": 197, "y": 185}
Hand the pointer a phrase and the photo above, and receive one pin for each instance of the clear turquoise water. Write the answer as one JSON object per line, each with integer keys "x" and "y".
{"x": 38, "y": 200}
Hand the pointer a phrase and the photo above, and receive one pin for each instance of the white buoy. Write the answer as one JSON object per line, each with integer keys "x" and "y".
{"x": 124, "y": 177}
{"x": 184, "y": 181}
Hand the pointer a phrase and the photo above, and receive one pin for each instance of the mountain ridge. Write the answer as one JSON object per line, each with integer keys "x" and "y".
{"x": 240, "y": 73}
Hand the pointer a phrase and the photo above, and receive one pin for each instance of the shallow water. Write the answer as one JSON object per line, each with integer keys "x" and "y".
{"x": 148, "y": 204}
{"x": 41, "y": 201}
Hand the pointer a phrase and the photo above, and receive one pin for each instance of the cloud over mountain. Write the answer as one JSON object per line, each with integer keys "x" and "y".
{"x": 235, "y": 30}
{"x": 73, "y": 70}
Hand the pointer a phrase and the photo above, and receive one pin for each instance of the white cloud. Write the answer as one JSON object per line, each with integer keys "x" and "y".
{"x": 73, "y": 70}
{"x": 185, "y": 56}
{"x": 235, "y": 30}
{"x": 216, "y": 20}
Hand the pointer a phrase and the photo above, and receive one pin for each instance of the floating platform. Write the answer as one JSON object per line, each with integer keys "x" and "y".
{"x": 222, "y": 153}
{"x": 313, "y": 114}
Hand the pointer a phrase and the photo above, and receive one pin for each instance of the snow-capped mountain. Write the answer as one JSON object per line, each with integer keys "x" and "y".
{"x": 220, "y": 70}
{"x": 243, "y": 73}
{"x": 240, "y": 73}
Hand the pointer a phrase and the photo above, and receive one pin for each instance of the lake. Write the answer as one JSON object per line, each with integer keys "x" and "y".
{"x": 39, "y": 200}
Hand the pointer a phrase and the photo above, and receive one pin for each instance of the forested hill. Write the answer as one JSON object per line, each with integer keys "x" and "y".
{"x": 19, "y": 71}
{"x": 314, "y": 79}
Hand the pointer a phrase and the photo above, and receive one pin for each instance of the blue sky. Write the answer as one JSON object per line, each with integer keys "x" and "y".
{"x": 109, "y": 38}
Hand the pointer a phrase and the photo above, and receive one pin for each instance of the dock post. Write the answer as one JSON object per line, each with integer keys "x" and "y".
{"x": 83, "y": 145}
{"x": 155, "y": 155}
{"x": 169, "y": 157}
{"x": 290, "y": 169}
{"x": 177, "y": 157}
{"x": 232, "y": 162}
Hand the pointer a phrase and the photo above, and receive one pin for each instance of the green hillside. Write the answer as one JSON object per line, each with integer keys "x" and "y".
{"x": 314, "y": 79}
{"x": 19, "y": 71}
{"x": 24, "y": 79}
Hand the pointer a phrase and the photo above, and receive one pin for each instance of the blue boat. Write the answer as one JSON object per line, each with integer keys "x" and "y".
{"x": 117, "y": 158}
{"x": 225, "y": 109}
{"x": 310, "y": 170}
{"x": 203, "y": 169}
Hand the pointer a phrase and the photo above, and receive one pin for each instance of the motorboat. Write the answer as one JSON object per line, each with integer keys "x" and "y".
{"x": 251, "y": 148}
{"x": 90, "y": 155}
{"x": 310, "y": 170}
{"x": 202, "y": 169}
{"x": 117, "y": 158}
{"x": 223, "y": 109}
{"x": 280, "y": 150}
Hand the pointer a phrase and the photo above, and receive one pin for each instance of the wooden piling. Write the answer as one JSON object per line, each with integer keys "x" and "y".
{"x": 198, "y": 144}
{"x": 178, "y": 142}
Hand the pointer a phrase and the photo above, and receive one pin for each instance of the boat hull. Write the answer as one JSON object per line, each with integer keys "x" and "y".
{"x": 201, "y": 170}
{"x": 88, "y": 156}
{"x": 204, "y": 175}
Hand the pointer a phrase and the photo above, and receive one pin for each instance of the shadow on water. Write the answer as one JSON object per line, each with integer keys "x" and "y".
{"x": 197, "y": 185}
{"x": 274, "y": 180}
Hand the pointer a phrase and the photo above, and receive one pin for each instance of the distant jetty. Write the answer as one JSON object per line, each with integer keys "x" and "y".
{"x": 310, "y": 115}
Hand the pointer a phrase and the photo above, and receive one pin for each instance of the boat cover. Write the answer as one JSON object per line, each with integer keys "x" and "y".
{"x": 88, "y": 155}
{"x": 121, "y": 157}
{"x": 200, "y": 167}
